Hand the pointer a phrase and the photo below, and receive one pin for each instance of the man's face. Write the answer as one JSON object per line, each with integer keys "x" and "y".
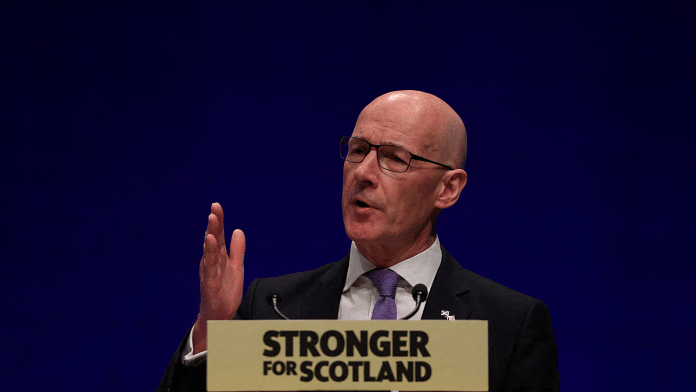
{"x": 383, "y": 208}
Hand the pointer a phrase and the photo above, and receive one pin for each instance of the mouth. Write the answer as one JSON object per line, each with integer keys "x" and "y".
{"x": 364, "y": 204}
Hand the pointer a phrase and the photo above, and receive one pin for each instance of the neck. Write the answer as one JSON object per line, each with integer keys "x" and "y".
{"x": 387, "y": 255}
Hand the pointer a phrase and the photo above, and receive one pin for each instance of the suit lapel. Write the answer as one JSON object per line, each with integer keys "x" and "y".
{"x": 448, "y": 291}
{"x": 321, "y": 301}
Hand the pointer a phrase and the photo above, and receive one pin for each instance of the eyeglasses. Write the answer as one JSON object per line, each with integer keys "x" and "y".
{"x": 389, "y": 157}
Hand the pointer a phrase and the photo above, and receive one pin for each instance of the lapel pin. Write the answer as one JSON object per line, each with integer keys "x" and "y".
{"x": 446, "y": 313}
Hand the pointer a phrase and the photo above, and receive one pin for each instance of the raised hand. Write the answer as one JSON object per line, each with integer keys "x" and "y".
{"x": 221, "y": 277}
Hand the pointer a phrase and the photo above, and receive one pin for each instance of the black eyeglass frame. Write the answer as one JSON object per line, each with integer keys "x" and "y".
{"x": 345, "y": 139}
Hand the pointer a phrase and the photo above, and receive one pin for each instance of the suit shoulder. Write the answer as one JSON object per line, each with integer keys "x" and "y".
{"x": 293, "y": 290}
{"x": 504, "y": 307}
{"x": 486, "y": 290}
{"x": 496, "y": 289}
{"x": 297, "y": 284}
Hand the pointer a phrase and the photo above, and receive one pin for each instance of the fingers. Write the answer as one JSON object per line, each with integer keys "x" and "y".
{"x": 216, "y": 208}
{"x": 215, "y": 256}
{"x": 216, "y": 211}
{"x": 210, "y": 267}
{"x": 215, "y": 229}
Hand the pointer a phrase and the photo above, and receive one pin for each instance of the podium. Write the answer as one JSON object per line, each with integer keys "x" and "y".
{"x": 426, "y": 355}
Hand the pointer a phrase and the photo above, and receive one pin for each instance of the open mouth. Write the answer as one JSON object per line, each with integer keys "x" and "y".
{"x": 361, "y": 203}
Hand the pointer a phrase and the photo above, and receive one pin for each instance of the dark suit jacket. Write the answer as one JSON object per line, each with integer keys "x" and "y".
{"x": 521, "y": 349}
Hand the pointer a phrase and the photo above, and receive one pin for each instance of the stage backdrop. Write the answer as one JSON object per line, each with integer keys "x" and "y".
{"x": 122, "y": 122}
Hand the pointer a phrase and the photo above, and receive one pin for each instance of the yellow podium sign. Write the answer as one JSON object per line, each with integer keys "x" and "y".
{"x": 427, "y": 355}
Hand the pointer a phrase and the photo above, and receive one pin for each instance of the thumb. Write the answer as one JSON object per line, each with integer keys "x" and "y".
{"x": 237, "y": 249}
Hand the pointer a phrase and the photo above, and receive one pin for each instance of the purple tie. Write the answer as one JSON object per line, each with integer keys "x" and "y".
{"x": 385, "y": 281}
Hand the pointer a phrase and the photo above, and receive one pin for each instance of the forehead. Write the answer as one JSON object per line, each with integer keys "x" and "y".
{"x": 405, "y": 127}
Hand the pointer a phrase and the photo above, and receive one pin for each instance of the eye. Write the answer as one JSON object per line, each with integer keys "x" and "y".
{"x": 357, "y": 150}
{"x": 357, "y": 147}
{"x": 395, "y": 158}
{"x": 395, "y": 155}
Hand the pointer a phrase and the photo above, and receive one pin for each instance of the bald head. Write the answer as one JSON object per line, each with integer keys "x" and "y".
{"x": 440, "y": 129}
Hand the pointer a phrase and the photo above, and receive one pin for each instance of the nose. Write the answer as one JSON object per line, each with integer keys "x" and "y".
{"x": 366, "y": 172}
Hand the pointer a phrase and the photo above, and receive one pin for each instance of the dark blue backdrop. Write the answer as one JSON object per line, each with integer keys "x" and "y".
{"x": 122, "y": 122}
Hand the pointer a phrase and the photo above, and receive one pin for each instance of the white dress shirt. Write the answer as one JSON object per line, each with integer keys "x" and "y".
{"x": 359, "y": 294}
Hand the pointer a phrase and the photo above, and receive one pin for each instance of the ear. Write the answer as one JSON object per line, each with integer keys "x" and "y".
{"x": 451, "y": 187}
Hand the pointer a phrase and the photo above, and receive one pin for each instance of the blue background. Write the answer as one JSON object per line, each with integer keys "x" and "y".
{"x": 121, "y": 122}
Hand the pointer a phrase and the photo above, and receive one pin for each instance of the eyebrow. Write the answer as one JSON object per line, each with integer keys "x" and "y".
{"x": 395, "y": 144}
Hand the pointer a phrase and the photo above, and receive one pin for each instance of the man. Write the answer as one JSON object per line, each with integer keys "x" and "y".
{"x": 403, "y": 165}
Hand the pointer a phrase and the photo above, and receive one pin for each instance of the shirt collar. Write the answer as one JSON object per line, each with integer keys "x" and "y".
{"x": 420, "y": 268}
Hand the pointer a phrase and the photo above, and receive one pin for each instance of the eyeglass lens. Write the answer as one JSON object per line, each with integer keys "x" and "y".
{"x": 391, "y": 158}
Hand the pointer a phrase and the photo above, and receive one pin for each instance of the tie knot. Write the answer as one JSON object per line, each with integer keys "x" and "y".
{"x": 385, "y": 281}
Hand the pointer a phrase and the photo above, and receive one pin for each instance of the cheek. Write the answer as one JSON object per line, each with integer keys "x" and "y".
{"x": 417, "y": 205}
{"x": 345, "y": 178}
{"x": 346, "y": 174}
